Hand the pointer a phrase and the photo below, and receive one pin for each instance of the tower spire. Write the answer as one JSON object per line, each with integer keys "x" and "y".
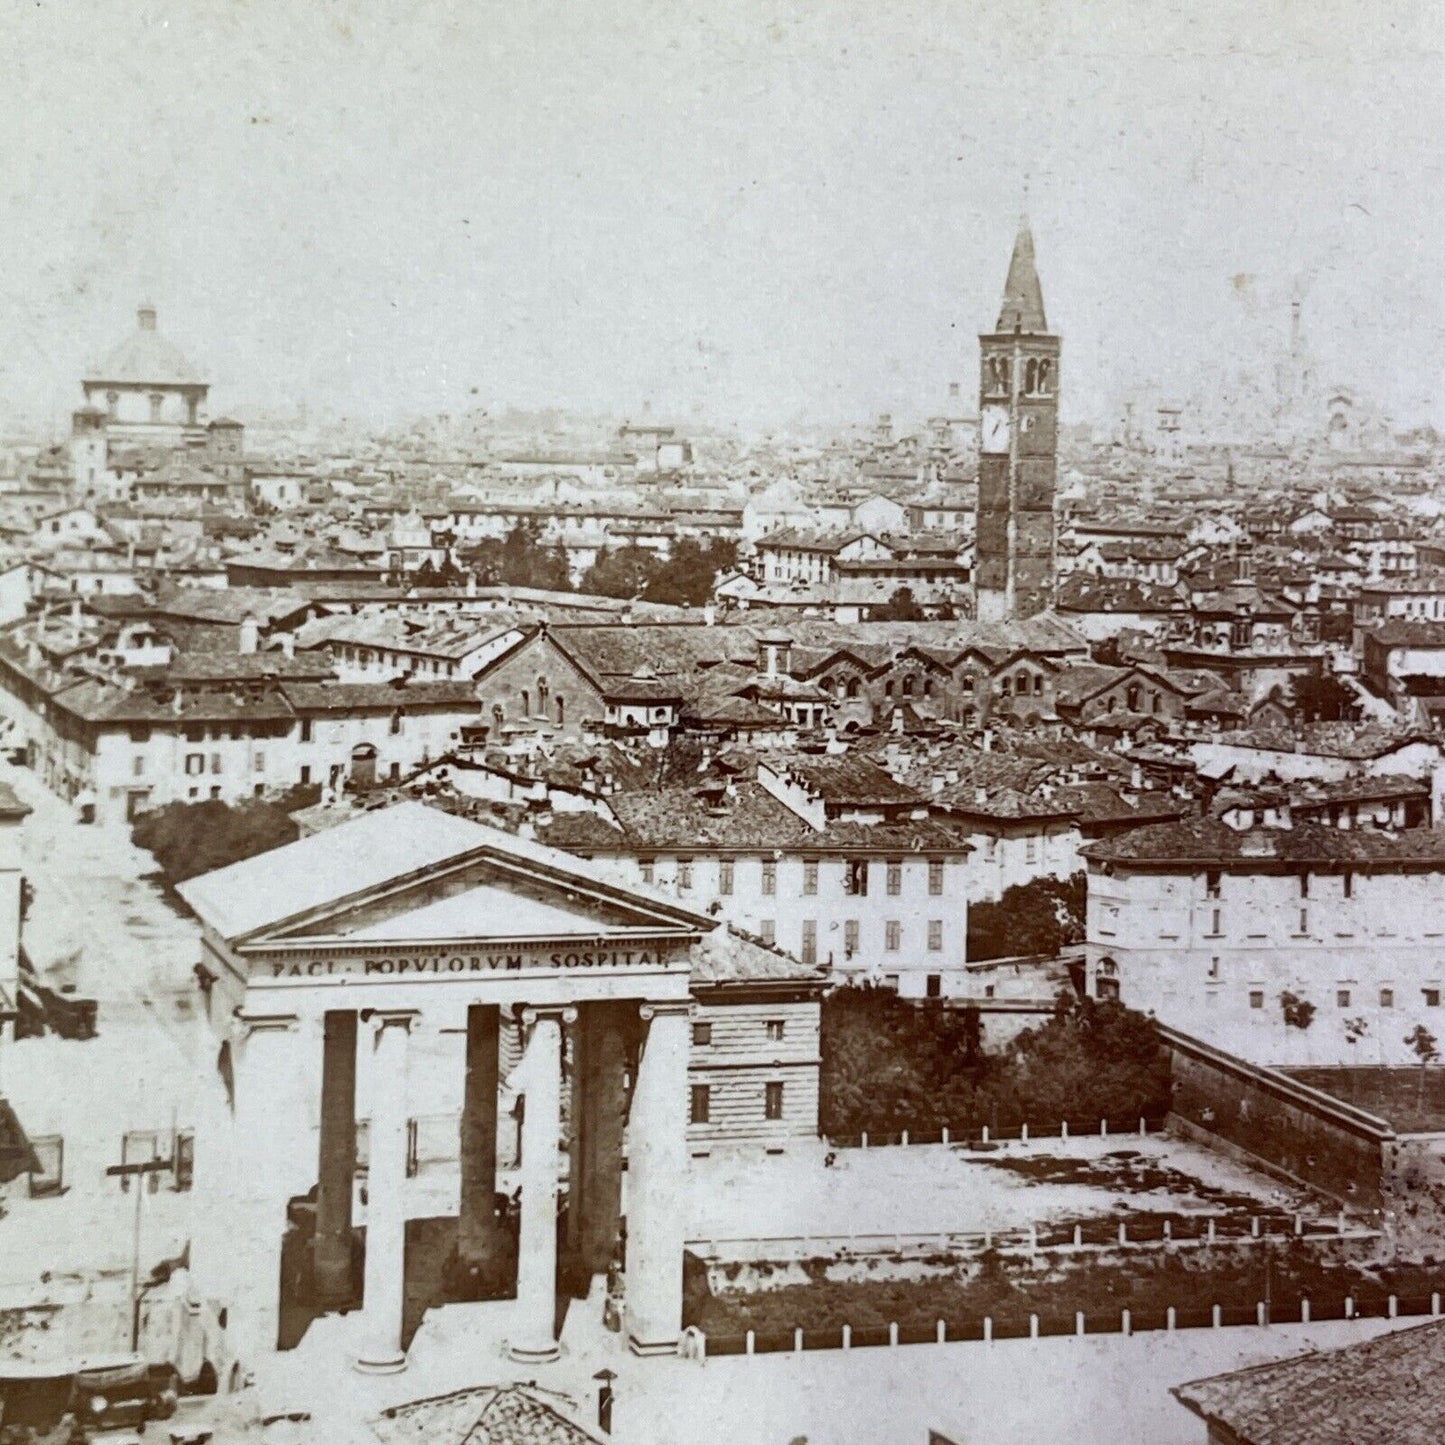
{"x": 1023, "y": 297}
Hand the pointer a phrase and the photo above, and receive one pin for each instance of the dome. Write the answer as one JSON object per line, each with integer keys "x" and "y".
{"x": 145, "y": 358}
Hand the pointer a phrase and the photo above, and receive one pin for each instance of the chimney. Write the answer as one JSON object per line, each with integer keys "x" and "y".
{"x": 1136, "y": 777}
{"x": 249, "y": 638}
{"x": 288, "y": 646}
{"x": 146, "y": 316}
{"x": 980, "y": 796}
{"x": 988, "y": 740}
{"x": 936, "y": 784}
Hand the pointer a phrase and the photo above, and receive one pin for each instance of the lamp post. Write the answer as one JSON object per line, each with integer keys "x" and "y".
{"x": 127, "y": 1173}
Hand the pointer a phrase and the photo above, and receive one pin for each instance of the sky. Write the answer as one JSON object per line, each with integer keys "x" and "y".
{"x": 751, "y": 213}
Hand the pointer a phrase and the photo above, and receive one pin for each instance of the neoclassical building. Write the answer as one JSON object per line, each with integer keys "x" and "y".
{"x": 388, "y": 998}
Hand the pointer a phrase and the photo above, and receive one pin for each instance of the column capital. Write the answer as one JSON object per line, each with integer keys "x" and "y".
{"x": 264, "y": 1023}
{"x": 384, "y": 1018}
{"x": 551, "y": 1013}
{"x": 666, "y": 1009}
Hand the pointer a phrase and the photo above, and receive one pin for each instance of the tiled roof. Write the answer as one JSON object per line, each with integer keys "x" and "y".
{"x": 1206, "y": 841}
{"x": 1386, "y": 1389}
{"x": 848, "y": 779}
{"x": 491, "y": 1415}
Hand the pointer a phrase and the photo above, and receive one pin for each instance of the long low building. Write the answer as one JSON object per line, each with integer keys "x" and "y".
{"x": 1287, "y": 945}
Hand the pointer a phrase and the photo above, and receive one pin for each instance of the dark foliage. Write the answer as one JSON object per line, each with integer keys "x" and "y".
{"x": 1041, "y": 916}
{"x": 901, "y": 607}
{"x": 518, "y": 560}
{"x": 188, "y": 839}
{"x": 890, "y": 1064}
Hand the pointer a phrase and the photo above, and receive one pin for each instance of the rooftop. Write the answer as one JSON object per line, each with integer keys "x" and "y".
{"x": 1391, "y": 1388}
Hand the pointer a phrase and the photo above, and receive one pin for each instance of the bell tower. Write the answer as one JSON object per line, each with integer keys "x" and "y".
{"x": 1018, "y": 449}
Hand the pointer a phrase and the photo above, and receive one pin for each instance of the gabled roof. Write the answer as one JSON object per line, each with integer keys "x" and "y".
{"x": 328, "y": 873}
{"x": 1390, "y": 1388}
{"x": 491, "y": 1415}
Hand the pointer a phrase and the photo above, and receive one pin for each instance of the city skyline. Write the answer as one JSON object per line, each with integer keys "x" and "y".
{"x": 746, "y": 216}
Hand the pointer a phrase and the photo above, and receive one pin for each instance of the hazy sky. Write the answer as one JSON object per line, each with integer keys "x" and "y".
{"x": 750, "y": 211}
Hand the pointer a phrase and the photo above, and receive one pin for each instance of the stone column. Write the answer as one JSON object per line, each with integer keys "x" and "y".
{"x": 598, "y": 1105}
{"x": 657, "y": 1182}
{"x": 336, "y": 1167}
{"x": 535, "y": 1337}
{"x": 247, "y": 1221}
{"x": 386, "y": 1194}
{"x": 476, "y": 1222}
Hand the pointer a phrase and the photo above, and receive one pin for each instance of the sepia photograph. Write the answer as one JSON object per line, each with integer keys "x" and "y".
{"x": 722, "y": 723}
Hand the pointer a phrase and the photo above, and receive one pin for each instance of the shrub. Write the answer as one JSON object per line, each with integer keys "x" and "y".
{"x": 188, "y": 839}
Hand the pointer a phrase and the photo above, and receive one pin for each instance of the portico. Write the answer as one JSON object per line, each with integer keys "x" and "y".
{"x": 413, "y": 967}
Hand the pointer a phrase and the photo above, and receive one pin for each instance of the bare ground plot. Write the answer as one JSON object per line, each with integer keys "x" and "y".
{"x": 939, "y": 1189}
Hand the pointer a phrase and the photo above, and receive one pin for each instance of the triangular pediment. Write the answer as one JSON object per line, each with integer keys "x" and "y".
{"x": 487, "y": 898}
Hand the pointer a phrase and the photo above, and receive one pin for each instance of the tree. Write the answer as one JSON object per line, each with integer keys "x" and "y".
{"x": 624, "y": 572}
{"x": 1426, "y": 1048}
{"x": 1322, "y": 697}
{"x": 901, "y": 607}
{"x": 688, "y": 576}
{"x": 188, "y": 839}
{"x": 1038, "y": 917}
{"x": 520, "y": 559}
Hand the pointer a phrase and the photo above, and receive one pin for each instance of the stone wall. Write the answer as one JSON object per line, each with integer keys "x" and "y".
{"x": 1292, "y": 1129}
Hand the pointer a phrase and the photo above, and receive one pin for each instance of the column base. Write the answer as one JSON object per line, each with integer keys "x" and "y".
{"x": 534, "y": 1354}
{"x": 380, "y": 1362}
{"x": 652, "y": 1347}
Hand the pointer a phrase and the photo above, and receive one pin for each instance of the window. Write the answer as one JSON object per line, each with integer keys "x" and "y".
{"x": 526, "y": 703}
{"x": 140, "y": 733}
{"x": 892, "y": 935}
{"x": 1031, "y": 850}
{"x": 700, "y": 1105}
{"x": 684, "y": 874}
{"x": 260, "y": 761}
{"x": 1211, "y": 884}
{"x": 810, "y": 940}
{"x": 1342, "y": 998}
{"x": 215, "y": 793}
{"x": 195, "y": 763}
{"x": 138, "y": 766}
{"x": 1038, "y": 683}
{"x": 306, "y": 730}
{"x": 1215, "y": 917}
{"x": 1304, "y": 921}
{"x": 767, "y": 931}
{"x": 933, "y": 985}
{"x": 644, "y": 866}
{"x": 395, "y": 724}
{"x": 215, "y": 762}
{"x": 895, "y": 878}
{"x": 935, "y": 877}
{"x": 725, "y": 876}
{"x": 850, "y": 936}
{"x": 1256, "y": 998}
{"x": 561, "y": 703}
{"x": 773, "y": 1101}
{"x": 1432, "y": 997}
{"x": 1348, "y": 884}
{"x": 810, "y": 877}
{"x": 935, "y": 934}
{"x": 1214, "y": 966}
{"x": 1304, "y": 884}
{"x": 1387, "y": 998}
{"x": 702, "y": 1035}
{"x": 775, "y": 1031}
{"x": 770, "y": 878}
{"x": 856, "y": 877}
